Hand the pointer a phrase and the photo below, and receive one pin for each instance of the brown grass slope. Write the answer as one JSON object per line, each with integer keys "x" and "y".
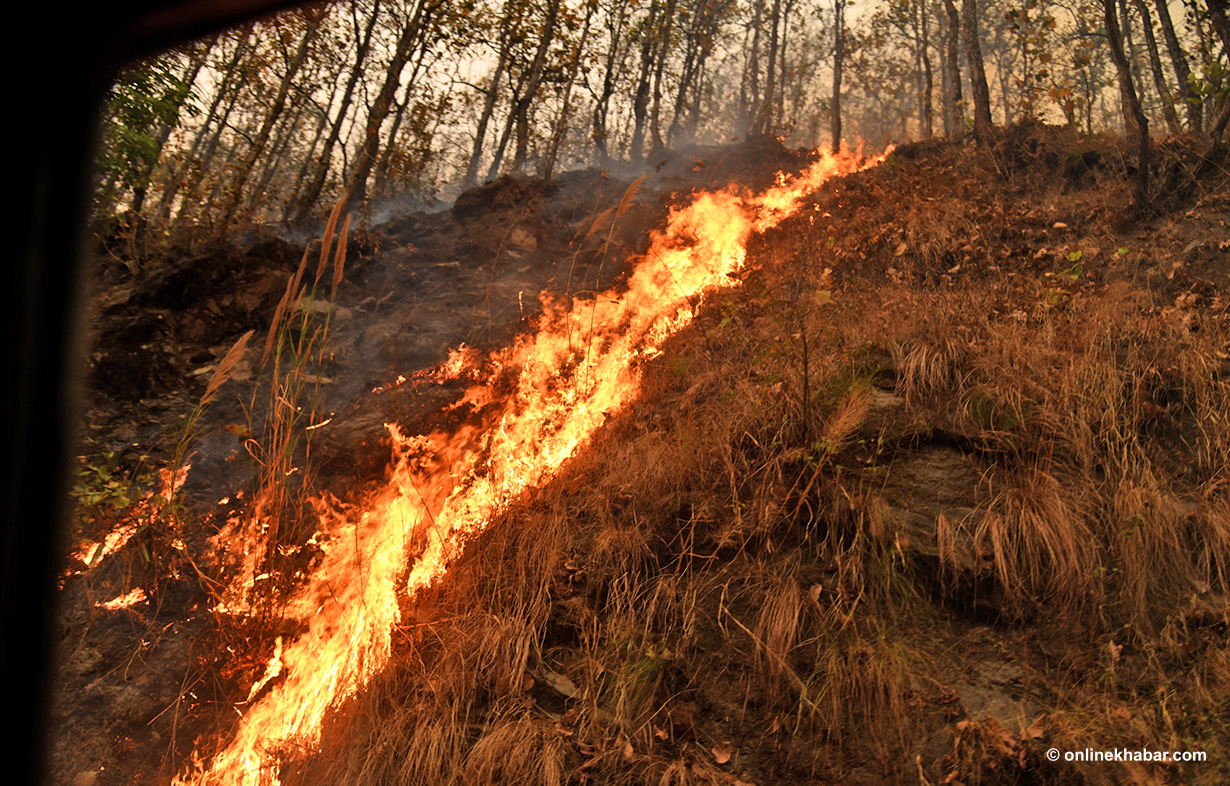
{"x": 943, "y": 485}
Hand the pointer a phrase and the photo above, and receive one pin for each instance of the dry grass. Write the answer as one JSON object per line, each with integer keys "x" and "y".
{"x": 722, "y": 565}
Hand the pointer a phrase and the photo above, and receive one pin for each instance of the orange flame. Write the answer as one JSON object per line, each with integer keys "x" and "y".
{"x": 580, "y": 368}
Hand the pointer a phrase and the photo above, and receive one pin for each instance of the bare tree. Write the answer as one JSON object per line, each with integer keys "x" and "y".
{"x": 1133, "y": 117}
{"x": 1155, "y": 65}
{"x": 956, "y": 109}
{"x": 356, "y": 187}
{"x": 984, "y": 129}
{"x": 839, "y": 58}
{"x": 313, "y": 19}
{"x": 1178, "y": 59}
{"x": 304, "y": 202}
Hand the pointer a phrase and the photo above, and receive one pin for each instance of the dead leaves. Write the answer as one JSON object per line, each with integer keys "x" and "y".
{"x": 722, "y": 752}
{"x": 560, "y": 684}
{"x": 991, "y": 737}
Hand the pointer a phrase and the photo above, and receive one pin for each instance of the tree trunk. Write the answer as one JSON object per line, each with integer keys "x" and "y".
{"x": 493, "y": 92}
{"x": 697, "y": 81}
{"x": 356, "y": 186}
{"x": 382, "y": 166}
{"x": 640, "y": 103}
{"x": 244, "y": 169}
{"x": 518, "y": 116}
{"x": 164, "y": 133}
{"x": 957, "y": 107}
{"x": 1155, "y": 64}
{"x": 211, "y": 150}
{"x": 305, "y": 202}
{"x": 664, "y": 45}
{"x": 839, "y": 58}
{"x": 1133, "y": 117}
{"x": 1178, "y": 59}
{"x": 322, "y": 120}
{"x": 1217, "y": 14}
{"x": 685, "y": 81}
{"x": 763, "y": 124}
{"x": 273, "y": 161}
{"x": 168, "y": 195}
{"x": 603, "y": 103}
{"x": 522, "y": 109}
{"x": 928, "y": 82}
{"x": 749, "y": 85}
{"x": 561, "y": 125}
{"x": 984, "y": 128}
{"x": 781, "y": 70}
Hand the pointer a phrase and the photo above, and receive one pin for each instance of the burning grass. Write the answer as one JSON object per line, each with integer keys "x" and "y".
{"x": 729, "y": 572}
{"x": 880, "y": 513}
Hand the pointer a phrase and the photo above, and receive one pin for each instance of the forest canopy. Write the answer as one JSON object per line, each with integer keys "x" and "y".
{"x": 273, "y": 121}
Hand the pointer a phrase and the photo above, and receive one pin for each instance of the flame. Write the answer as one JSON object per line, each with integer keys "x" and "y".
{"x": 577, "y": 370}
{"x": 123, "y": 601}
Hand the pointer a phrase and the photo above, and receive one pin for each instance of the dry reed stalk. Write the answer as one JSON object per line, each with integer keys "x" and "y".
{"x": 275, "y": 325}
{"x": 598, "y": 223}
{"x": 226, "y": 368}
{"x": 339, "y": 262}
{"x": 327, "y": 242}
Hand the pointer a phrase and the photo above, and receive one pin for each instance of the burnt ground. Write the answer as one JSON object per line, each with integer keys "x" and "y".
{"x": 948, "y": 667}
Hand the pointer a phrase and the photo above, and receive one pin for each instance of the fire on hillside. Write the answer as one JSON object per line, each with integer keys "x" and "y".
{"x": 529, "y": 407}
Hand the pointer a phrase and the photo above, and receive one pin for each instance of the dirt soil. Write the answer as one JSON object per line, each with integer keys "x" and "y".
{"x": 862, "y": 500}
